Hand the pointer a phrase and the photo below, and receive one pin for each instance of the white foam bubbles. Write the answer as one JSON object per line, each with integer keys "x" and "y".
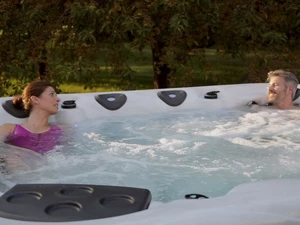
{"x": 208, "y": 152}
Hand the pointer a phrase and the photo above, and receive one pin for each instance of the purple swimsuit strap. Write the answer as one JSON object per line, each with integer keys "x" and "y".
{"x": 19, "y": 129}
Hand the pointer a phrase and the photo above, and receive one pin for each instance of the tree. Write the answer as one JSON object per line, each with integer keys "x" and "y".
{"x": 264, "y": 33}
{"x": 64, "y": 39}
{"x": 80, "y": 29}
{"x": 26, "y": 28}
{"x": 172, "y": 29}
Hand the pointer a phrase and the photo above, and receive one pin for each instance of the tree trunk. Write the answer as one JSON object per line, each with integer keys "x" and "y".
{"x": 43, "y": 75}
{"x": 161, "y": 70}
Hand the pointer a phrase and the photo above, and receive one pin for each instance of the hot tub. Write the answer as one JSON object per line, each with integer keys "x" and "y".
{"x": 174, "y": 142}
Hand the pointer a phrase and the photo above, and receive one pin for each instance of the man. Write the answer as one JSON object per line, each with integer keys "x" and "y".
{"x": 281, "y": 89}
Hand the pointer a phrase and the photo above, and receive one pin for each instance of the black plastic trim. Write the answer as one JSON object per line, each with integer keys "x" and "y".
{"x": 10, "y": 108}
{"x": 68, "y": 104}
{"x": 112, "y": 101}
{"x": 297, "y": 94}
{"x": 172, "y": 98}
{"x": 211, "y": 95}
{"x": 71, "y": 202}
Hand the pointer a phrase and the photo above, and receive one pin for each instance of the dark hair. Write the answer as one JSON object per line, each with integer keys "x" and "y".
{"x": 36, "y": 88}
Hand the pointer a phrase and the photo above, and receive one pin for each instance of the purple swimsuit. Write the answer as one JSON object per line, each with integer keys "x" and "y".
{"x": 38, "y": 142}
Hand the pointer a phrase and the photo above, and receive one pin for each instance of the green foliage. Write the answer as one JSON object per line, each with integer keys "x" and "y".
{"x": 83, "y": 40}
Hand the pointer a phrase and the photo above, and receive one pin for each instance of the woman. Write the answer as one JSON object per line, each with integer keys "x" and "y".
{"x": 40, "y": 100}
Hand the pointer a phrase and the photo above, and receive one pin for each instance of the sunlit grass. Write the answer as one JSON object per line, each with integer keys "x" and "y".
{"x": 218, "y": 68}
{"x": 215, "y": 69}
{"x": 78, "y": 88}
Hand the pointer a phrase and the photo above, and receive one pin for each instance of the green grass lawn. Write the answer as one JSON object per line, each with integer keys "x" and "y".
{"x": 217, "y": 69}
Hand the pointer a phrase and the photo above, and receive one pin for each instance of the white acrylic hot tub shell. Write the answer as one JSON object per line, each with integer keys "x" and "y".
{"x": 266, "y": 202}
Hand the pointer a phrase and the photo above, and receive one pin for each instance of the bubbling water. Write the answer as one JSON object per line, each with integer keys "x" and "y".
{"x": 207, "y": 152}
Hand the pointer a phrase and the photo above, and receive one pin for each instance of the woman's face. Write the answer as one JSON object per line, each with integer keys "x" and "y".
{"x": 48, "y": 101}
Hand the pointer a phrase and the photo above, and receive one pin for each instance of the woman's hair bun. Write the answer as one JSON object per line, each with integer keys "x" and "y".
{"x": 18, "y": 102}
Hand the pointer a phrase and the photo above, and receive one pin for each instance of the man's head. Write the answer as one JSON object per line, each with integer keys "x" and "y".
{"x": 282, "y": 88}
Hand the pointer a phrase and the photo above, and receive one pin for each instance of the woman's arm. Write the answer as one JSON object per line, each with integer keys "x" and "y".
{"x": 63, "y": 126}
{"x": 5, "y": 130}
{"x": 16, "y": 159}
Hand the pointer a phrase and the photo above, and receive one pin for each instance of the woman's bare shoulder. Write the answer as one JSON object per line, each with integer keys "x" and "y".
{"x": 63, "y": 126}
{"x": 7, "y": 127}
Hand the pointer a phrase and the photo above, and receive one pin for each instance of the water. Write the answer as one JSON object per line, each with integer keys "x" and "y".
{"x": 207, "y": 152}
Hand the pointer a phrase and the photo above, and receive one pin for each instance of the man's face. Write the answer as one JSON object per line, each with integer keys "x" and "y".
{"x": 277, "y": 90}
